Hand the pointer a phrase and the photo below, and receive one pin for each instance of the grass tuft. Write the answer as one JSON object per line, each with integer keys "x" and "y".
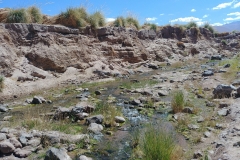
{"x": 17, "y": 16}
{"x": 35, "y": 14}
{"x": 158, "y": 144}
{"x": 178, "y": 101}
{"x": 1, "y": 83}
{"x": 120, "y": 22}
{"x": 209, "y": 27}
{"x": 97, "y": 19}
{"x": 132, "y": 22}
{"x": 74, "y": 17}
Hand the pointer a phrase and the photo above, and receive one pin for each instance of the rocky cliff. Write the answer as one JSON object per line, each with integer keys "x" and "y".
{"x": 33, "y": 51}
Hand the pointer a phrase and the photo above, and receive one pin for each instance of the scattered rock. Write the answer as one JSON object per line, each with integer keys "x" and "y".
{"x": 188, "y": 110}
{"x": 98, "y": 92}
{"x": 95, "y": 119}
{"x": 224, "y": 112}
{"x": 3, "y": 108}
{"x": 82, "y": 157}
{"x": 15, "y": 142}
{"x": 119, "y": 119}
{"x": 163, "y": 93}
{"x": 95, "y": 128}
{"x": 216, "y": 57}
{"x": 207, "y": 73}
{"x": 22, "y": 153}
{"x": 6, "y": 147}
{"x": 57, "y": 154}
{"x": 193, "y": 127}
{"x": 223, "y": 91}
{"x": 197, "y": 154}
{"x": 200, "y": 119}
{"x": 207, "y": 134}
{"x": 38, "y": 100}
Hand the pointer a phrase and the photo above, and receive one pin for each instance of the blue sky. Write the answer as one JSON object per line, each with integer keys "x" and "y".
{"x": 161, "y": 12}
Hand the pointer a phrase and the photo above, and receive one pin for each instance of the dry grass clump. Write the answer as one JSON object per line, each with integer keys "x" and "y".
{"x": 22, "y": 15}
{"x": 150, "y": 26}
{"x": 178, "y": 101}
{"x": 1, "y": 83}
{"x": 129, "y": 21}
{"x": 191, "y": 25}
{"x": 17, "y": 16}
{"x": 97, "y": 19}
{"x": 209, "y": 27}
{"x": 35, "y": 14}
{"x": 73, "y": 17}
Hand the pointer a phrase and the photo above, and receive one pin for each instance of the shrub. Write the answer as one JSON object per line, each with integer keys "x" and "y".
{"x": 158, "y": 144}
{"x": 120, "y": 22}
{"x": 17, "y": 16}
{"x": 74, "y": 17}
{"x": 191, "y": 24}
{"x": 209, "y": 27}
{"x": 97, "y": 20}
{"x": 132, "y": 22}
{"x": 35, "y": 14}
{"x": 178, "y": 101}
{"x": 1, "y": 83}
{"x": 153, "y": 27}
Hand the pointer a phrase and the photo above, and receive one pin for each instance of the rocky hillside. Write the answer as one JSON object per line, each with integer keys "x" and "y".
{"x": 33, "y": 53}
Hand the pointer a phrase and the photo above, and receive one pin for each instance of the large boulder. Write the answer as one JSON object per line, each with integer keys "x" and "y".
{"x": 6, "y": 147}
{"x": 95, "y": 119}
{"x": 95, "y": 128}
{"x": 57, "y": 154}
{"x": 223, "y": 91}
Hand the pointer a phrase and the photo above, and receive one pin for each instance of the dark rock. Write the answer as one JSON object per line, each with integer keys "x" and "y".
{"x": 223, "y": 91}
{"x": 135, "y": 102}
{"x": 188, "y": 110}
{"x": 163, "y": 93}
{"x": 21, "y": 153}
{"x": 6, "y": 147}
{"x": 3, "y": 108}
{"x": 57, "y": 154}
{"x": 226, "y": 65}
{"x": 197, "y": 154}
{"x": 153, "y": 66}
{"x": 207, "y": 73}
{"x": 95, "y": 119}
{"x": 38, "y": 100}
{"x": 237, "y": 144}
{"x": 216, "y": 57}
{"x": 98, "y": 92}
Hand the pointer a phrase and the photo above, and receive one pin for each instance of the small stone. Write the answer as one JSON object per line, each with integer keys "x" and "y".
{"x": 224, "y": 112}
{"x": 197, "y": 154}
{"x": 7, "y": 118}
{"x": 237, "y": 144}
{"x": 207, "y": 134}
{"x": 83, "y": 157}
{"x": 188, "y": 110}
{"x": 3, "y": 136}
{"x": 57, "y": 154}
{"x": 200, "y": 119}
{"x": 98, "y": 92}
{"x": 193, "y": 127}
{"x": 119, "y": 119}
{"x": 95, "y": 128}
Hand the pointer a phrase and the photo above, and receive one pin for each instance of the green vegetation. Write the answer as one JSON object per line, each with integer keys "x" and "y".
{"x": 108, "y": 111}
{"x": 158, "y": 144}
{"x": 97, "y": 19}
{"x": 150, "y": 26}
{"x": 22, "y": 15}
{"x": 129, "y": 21}
{"x": 209, "y": 27}
{"x": 140, "y": 84}
{"x": 74, "y": 17}
{"x": 191, "y": 25}
{"x": 120, "y": 22}
{"x": 1, "y": 83}
{"x": 232, "y": 70}
{"x": 35, "y": 14}
{"x": 17, "y": 16}
{"x": 178, "y": 101}
{"x": 132, "y": 22}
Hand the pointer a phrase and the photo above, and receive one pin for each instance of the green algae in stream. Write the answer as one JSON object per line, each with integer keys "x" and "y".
{"x": 140, "y": 84}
